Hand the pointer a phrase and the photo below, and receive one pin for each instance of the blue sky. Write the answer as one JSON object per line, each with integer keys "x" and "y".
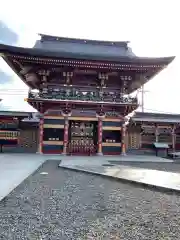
{"x": 150, "y": 25}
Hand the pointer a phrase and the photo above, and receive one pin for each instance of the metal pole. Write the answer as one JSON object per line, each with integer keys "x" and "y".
{"x": 142, "y": 98}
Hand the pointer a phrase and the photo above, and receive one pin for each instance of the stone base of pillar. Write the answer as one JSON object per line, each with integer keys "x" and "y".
{"x": 99, "y": 154}
{"x": 63, "y": 154}
{"x": 39, "y": 152}
{"x": 123, "y": 154}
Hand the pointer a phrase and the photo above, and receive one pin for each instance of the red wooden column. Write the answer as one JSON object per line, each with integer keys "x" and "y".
{"x": 99, "y": 152}
{"x": 66, "y": 133}
{"x": 41, "y": 132}
{"x": 123, "y": 135}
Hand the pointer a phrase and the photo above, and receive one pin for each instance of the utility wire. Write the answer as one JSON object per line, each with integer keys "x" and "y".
{"x": 5, "y": 93}
{"x": 13, "y": 89}
{"x": 142, "y": 91}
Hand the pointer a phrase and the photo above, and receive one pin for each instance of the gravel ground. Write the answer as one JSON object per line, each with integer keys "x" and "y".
{"x": 169, "y": 167}
{"x": 72, "y": 205}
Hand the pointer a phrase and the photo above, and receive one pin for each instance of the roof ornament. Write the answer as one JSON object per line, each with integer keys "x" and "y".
{"x": 66, "y": 112}
{"x": 100, "y": 113}
{"x": 25, "y": 69}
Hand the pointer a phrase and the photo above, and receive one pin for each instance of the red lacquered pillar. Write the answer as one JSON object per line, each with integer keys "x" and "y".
{"x": 99, "y": 152}
{"x": 41, "y": 131}
{"x": 123, "y": 136}
{"x": 66, "y": 133}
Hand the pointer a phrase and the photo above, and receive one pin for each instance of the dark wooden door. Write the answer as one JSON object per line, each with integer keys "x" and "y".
{"x": 28, "y": 141}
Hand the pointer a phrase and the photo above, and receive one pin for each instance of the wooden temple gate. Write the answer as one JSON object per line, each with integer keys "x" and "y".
{"x": 82, "y": 74}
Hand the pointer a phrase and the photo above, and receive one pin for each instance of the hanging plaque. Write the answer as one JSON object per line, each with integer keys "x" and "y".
{"x": 148, "y": 129}
{"x": 8, "y": 124}
{"x": 165, "y": 131}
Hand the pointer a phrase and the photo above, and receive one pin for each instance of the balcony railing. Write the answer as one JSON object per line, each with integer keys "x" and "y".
{"x": 84, "y": 96}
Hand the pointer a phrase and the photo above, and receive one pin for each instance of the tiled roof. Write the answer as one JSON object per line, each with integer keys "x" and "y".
{"x": 14, "y": 113}
{"x": 58, "y": 47}
{"x": 156, "y": 117}
{"x": 84, "y": 47}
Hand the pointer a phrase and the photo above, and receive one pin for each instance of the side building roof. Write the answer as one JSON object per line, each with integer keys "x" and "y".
{"x": 155, "y": 117}
{"x": 14, "y": 114}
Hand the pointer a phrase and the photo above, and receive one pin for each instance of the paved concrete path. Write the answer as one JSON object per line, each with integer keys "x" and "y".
{"x": 128, "y": 158}
{"x": 160, "y": 179}
{"x": 71, "y": 161}
{"x": 14, "y": 169}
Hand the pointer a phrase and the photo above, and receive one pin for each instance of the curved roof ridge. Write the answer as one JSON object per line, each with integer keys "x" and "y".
{"x": 45, "y": 37}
